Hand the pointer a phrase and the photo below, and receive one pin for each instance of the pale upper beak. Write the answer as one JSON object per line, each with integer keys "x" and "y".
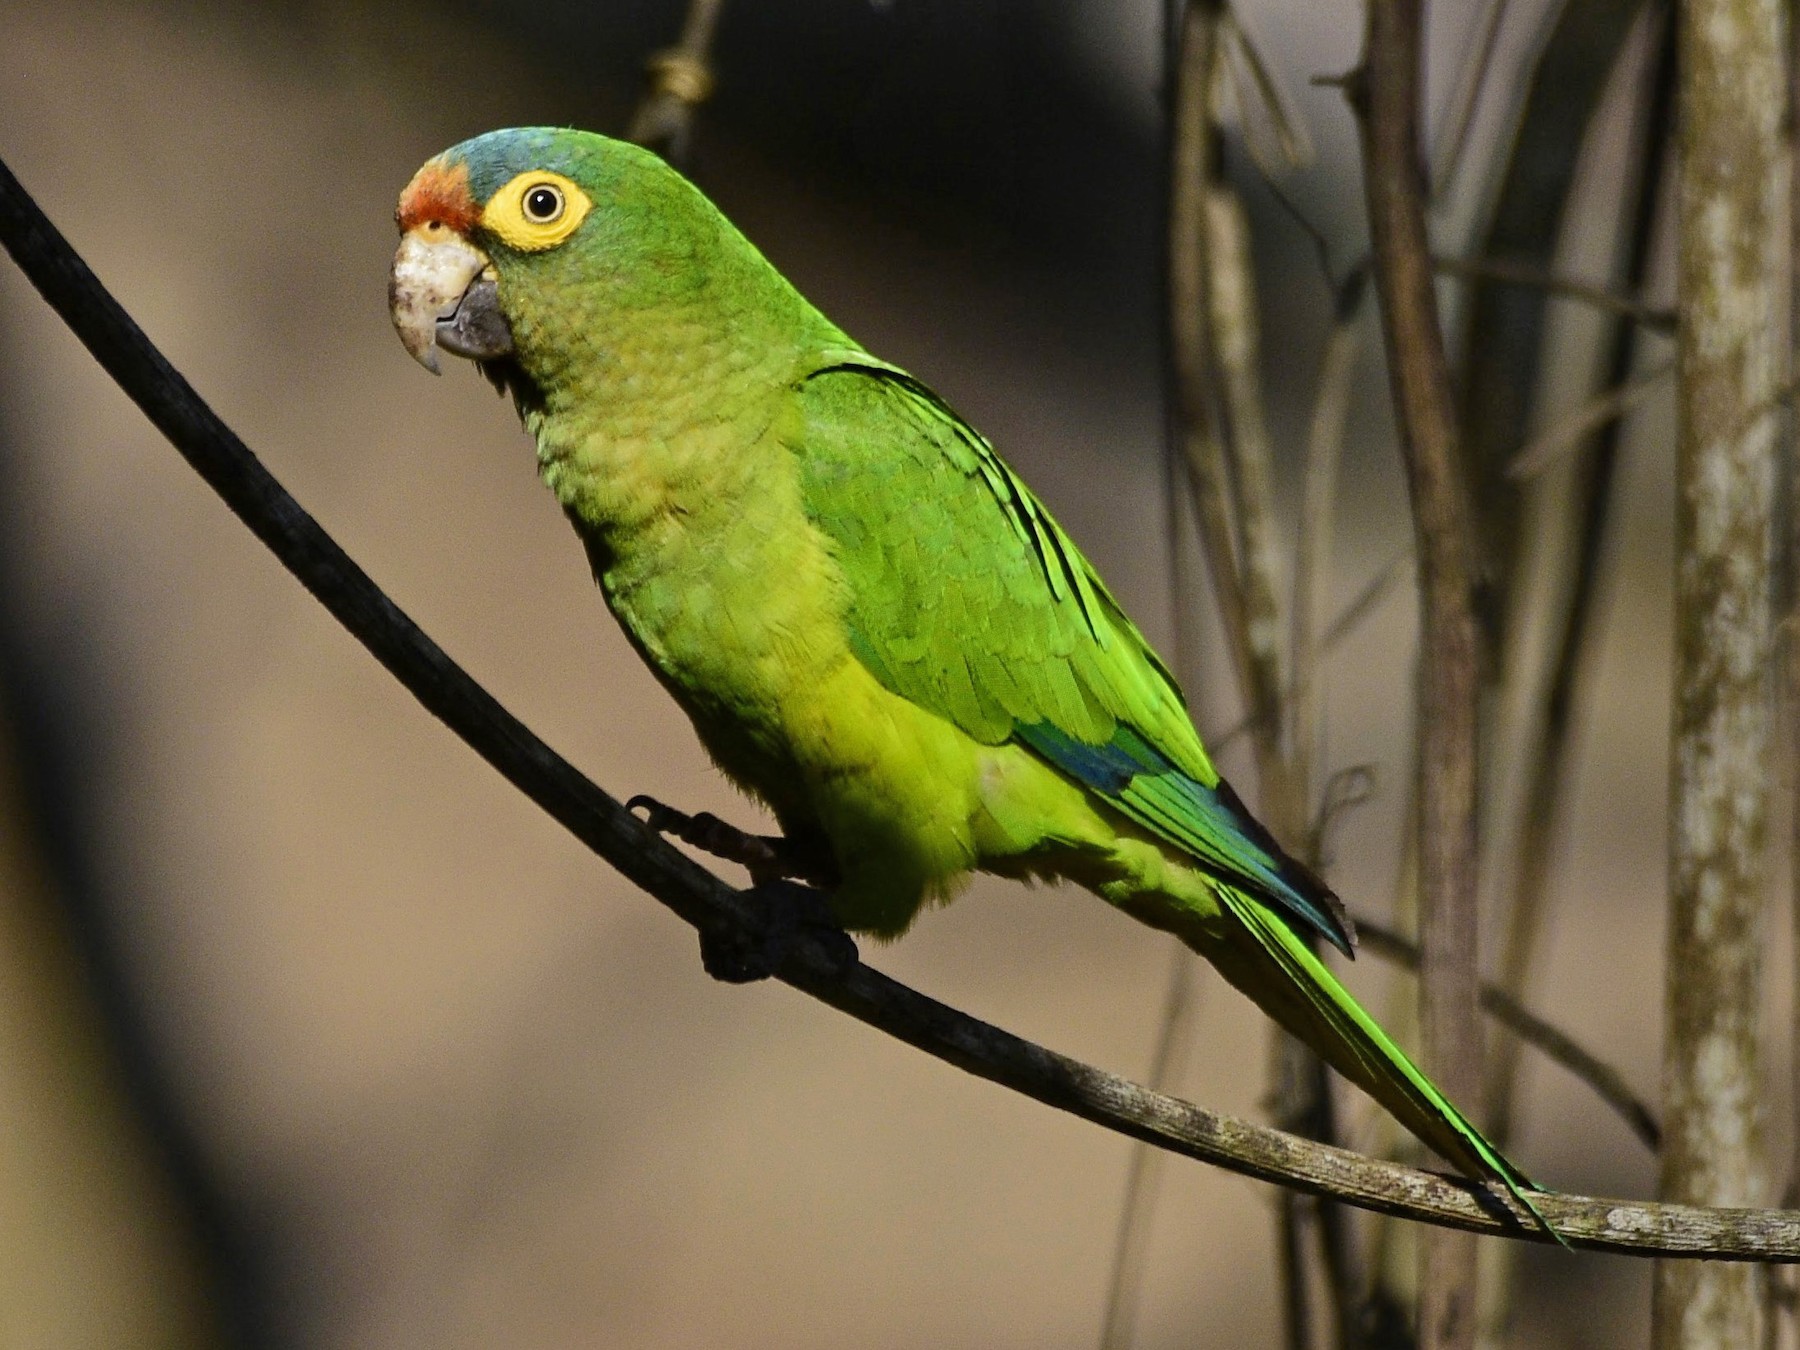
{"x": 442, "y": 293}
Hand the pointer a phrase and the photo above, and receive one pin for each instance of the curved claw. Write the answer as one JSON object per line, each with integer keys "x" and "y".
{"x": 790, "y": 916}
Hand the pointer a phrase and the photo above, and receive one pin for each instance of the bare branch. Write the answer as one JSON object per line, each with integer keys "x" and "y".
{"x": 1235, "y": 333}
{"x": 1532, "y": 277}
{"x": 1589, "y": 495}
{"x": 681, "y": 79}
{"x": 1386, "y": 97}
{"x": 1787, "y": 1288}
{"x": 1217, "y": 417}
{"x": 1607, "y": 1082}
{"x": 1503, "y": 324}
{"x": 1193, "y": 168}
{"x": 1555, "y": 441}
{"x": 1361, "y": 605}
{"x": 1144, "y": 1174}
{"x": 814, "y": 964}
{"x": 1471, "y": 80}
{"x": 1268, "y": 112}
{"x": 1315, "y": 534}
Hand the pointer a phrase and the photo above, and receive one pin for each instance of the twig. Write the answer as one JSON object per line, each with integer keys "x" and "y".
{"x": 1234, "y": 347}
{"x": 1193, "y": 166}
{"x": 1590, "y": 496}
{"x": 1262, "y": 101}
{"x": 1471, "y": 79}
{"x": 681, "y": 79}
{"x": 1217, "y": 419}
{"x": 1729, "y": 101}
{"x": 1386, "y": 97}
{"x": 1530, "y": 276}
{"x": 815, "y": 965}
{"x": 1144, "y": 1172}
{"x": 1503, "y": 324}
{"x": 1557, "y": 1045}
{"x": 1305, "y": 1086}
{"x": 1554, "y": 442}
{"x": 1361, "y": 605}
{"x": 1315, "y": 534}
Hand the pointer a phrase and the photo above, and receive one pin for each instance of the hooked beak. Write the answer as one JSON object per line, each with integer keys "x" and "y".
{"x": 442, "y": 293}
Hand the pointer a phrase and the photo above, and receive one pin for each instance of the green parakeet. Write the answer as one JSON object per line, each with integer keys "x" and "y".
{"x": 875, "y": 627}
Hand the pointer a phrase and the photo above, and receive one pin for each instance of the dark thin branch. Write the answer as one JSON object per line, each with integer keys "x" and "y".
{"x": 1387, "y": 96}
{"x": 1556, "y": 1044}
{"x": 1589, "y": 492}
{"x": 1529, "y": 276}
{"x": 681, "y": 79}
{"x": 1143, "y": 1179}
{"x": 814, "y": 964}
{"x": 1503, "y": 324}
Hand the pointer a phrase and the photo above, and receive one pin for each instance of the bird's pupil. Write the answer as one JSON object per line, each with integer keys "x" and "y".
{"x": 542, "y": 203}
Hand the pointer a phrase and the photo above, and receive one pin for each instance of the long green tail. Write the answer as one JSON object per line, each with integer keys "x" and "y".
{"x": 1303, "y": 995}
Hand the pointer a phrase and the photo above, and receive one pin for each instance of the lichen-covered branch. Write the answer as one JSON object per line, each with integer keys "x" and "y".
{"x": 1730, "y": 96}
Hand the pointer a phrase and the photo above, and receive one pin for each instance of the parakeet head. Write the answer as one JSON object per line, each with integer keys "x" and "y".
{"x": 510, "y": 238}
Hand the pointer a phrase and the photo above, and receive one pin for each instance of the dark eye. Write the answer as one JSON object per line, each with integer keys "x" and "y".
{"x": 543, "y": 204}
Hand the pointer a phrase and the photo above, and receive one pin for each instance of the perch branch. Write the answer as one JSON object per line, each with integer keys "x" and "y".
{"x": 814, "y": 965}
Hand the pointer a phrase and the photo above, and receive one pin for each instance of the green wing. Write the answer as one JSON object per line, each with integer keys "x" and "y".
{"x": 969, "y": 600}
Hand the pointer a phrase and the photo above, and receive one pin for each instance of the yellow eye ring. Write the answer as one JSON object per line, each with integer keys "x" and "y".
{"x": 535, "y": 211}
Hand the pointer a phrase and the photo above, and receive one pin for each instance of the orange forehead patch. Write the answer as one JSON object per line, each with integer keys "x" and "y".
{"x": 438, "y": 192}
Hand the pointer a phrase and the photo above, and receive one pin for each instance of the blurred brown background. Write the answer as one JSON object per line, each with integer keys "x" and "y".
{"x": 314, "y": 1033}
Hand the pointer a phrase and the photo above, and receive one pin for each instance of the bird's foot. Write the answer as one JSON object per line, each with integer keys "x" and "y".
{"x": 766, "y": 857}
{"x": 787, "y": 915}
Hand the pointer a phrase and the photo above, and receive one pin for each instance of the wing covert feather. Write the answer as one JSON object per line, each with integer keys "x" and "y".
{"x": 968, "y": 599}
{"x": 915, "y": 498}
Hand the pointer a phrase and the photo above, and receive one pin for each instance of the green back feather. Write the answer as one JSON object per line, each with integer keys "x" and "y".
{"x": 967, "y": 598}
